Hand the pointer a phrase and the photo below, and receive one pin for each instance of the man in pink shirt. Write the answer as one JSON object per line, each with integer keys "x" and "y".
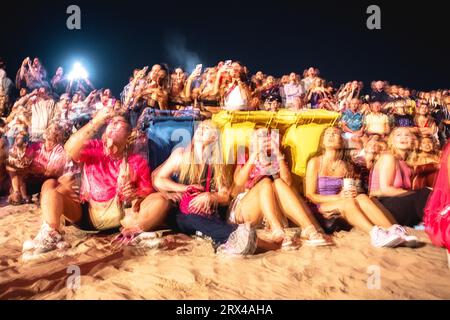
{"x": 111, "y": 177}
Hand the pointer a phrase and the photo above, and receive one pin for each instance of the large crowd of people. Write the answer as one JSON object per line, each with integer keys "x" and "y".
{"x": 76, "y": 147}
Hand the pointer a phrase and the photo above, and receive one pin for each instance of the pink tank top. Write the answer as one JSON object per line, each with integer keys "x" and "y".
{"x": 402, "y": 177}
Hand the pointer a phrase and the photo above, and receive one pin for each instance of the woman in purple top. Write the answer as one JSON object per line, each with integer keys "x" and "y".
{"x": 324, "y": 188}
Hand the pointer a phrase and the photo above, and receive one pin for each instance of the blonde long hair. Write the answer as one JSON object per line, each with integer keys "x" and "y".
{"x": 191, "y": 171}
{"x": 390, "y": 142}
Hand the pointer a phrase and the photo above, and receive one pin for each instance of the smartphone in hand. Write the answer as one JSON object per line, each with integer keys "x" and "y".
{"x": 199, "y": 68}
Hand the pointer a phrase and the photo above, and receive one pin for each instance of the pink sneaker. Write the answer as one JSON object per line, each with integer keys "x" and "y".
{"x": 381, "y": 238}
{"x": 409, "y": 241}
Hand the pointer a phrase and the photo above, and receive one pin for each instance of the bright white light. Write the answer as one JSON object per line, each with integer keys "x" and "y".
{"x": 78, "y": 72}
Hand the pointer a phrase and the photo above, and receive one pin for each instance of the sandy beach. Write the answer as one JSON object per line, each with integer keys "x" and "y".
{"x": 189, "y": 269}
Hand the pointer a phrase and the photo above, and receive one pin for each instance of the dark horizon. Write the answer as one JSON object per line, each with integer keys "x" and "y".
{"x": 276, "y": 37}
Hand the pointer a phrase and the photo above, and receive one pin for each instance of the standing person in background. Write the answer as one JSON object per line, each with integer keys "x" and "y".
{"x": 31, "y": 75}
{"x": 270, "y": 91}
{"x": 155, "y": 94}
{"x": 318, "y": 93}
{"x": 376, "y": 122}
{"x": 176, "y": 89}
{"x": 106, "y": 100}
{"x": 293, "y": 89}
{"x": 59, "y": 82}
{"x": 6, "y": 91}
{"x": 425, "y": 163}
{"x": 401, "y": 118}
{"x": 42, "y": 111}
{"x": 236, "y": 94}
{"x": 379, "y": 93}
{"x": 206, "y": 94}
{"x": 442, "y": 116}
{"x": 352, "y": 121}
{"x": 424, "y": 122}
{"x": 310, "y": 76}
{"x": 129, "y": 95}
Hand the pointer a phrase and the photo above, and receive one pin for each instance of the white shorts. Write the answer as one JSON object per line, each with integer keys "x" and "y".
{"x": 233, "y": 205}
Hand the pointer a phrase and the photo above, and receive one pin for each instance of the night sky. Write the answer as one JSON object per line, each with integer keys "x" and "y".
{"x": 278, "y": 36}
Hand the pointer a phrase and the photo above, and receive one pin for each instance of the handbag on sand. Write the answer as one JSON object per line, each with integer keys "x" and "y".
{"x": 107, "y": 215}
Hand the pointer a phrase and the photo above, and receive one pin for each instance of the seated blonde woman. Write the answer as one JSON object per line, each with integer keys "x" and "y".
{"x": 390, "y": 180}
{"x": 264, "y": 193}
{"x": 197, "y": 178}
{"x": 325, "y": 189}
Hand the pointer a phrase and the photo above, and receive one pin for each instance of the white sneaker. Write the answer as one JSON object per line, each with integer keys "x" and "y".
{"x": 381, "y": 238}
{"x": 147, "y": 240}
{"x": 241, "y": 242}
{"x": 47, "y": 239}
{"x": 316, "y": 238}
{"x": 409, "y": 241}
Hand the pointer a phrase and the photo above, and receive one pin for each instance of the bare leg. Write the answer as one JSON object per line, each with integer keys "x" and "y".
{"x": 153, "y": 212}
{"x": 350, "y": 211}
{"x": 293, "y": 206}
{"x": 54, "y": 205}
{"x": 374, "y": 213}
{"x": 23, "y": 188}
{"x": 259, "y": 203}
{"x": 15, "y": 181}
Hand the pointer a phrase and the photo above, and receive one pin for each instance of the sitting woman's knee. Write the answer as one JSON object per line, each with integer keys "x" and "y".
{"x": 156, "y": 198}
{"x": 49, "y": 184}
{"x": 349, "y": 204}
{"x": 362, "y": 197}
{"x": 265, "y": 183}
